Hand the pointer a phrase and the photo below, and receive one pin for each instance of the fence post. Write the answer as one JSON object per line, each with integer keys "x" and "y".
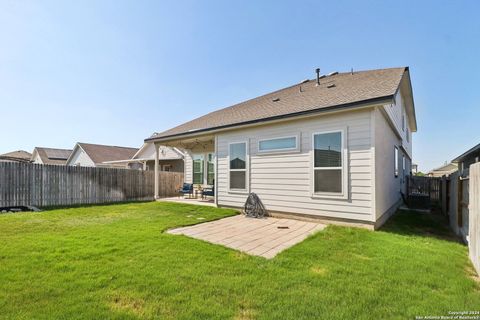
{"x": 474, "y": 215}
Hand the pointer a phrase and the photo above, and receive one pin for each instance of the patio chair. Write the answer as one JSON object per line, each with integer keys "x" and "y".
{"x": 208, "y": 192}
{"x": 186, "y": 189}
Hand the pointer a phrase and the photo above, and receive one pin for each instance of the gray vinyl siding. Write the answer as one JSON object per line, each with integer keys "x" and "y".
{"x": 395, "y": 112}
{"x": 388, "y": 186}
{"x": 79, "y": 157}
{"x": 188, "y": 166}
{"x": 283, "y": 181}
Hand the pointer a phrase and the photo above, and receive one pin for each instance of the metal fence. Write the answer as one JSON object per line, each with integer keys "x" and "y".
{"x": 25, "y": 184}
{"x": 423, "y": 192}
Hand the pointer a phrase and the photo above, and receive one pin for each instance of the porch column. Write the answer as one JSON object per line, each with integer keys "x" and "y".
{"x": 157, "y": 170}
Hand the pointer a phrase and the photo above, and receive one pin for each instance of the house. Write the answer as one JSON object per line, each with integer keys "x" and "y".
{"x": 42, "y": 155}
{"x": 97, "y": 155}
{"x": 337, "y": 147}
{"x": 445, "y": 170}
{"x": 414, "y": 168}
{"x": 170, "y": 159}
{"x": 466, "y": 159}
{"x": 16, "y": 156}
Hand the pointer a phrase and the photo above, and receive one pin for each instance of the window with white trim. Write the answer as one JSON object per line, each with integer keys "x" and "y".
{"x": 396, "y": 160}
{"x": 328, "y": 162}
{"x": 237, "y": 156}
{"x": 198, "y": 160}
{"x": 278, "y": 144}
{"x": 403, "y": 165}
{"x": 210, "y": 169}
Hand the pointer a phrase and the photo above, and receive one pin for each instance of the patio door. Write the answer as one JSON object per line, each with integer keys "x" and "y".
{"x": 204, "y": 169}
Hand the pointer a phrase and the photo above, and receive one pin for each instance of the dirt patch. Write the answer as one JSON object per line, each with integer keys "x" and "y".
{"x": 246, "y": 312}
{"x": 318, "y": 270}
{"x": 361, "y": 257}
{"x": 124, "y": 303}
{"x": 472, "y": 273}
{"x": 237, "y": 255}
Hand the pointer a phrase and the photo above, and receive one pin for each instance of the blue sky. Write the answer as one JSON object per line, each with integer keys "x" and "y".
{"x": 113, "y": 72}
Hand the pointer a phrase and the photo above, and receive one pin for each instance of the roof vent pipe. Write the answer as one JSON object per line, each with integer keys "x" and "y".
{"x": 318, "y": 76}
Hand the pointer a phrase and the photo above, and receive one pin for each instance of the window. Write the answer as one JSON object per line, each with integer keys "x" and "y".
{"x": 167, "y": 167}
{"x": 238, "y": 166}
{"x": 210, "y": 169}
{"x": 408, "y": 135}
{"x": 403, "y": 165}
{"x": 277, "y": 144}
{"x": 198, "y": 168}
{"x": 396, "y": 162}
{"x": 403, "y": 121}
{"x": 328, "y": 162}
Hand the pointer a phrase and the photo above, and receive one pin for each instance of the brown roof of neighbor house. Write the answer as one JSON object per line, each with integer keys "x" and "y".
{"x": 101, "y": 153}
{"x": 446, "y": 168}
{"x": 335, "y": 91}
{"x": 19, "y": 155}
{"x": 53, "y": 156}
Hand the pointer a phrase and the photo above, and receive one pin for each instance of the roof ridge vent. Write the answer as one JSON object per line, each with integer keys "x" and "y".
{"x": 332, "y": 73}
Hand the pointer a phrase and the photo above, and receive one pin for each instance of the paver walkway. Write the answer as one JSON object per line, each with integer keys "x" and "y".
{"x": 262, "y": 237}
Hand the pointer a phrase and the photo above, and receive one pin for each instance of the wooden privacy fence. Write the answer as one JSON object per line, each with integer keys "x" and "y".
{"x": 474, "y": 215}
{"x": 25, "y": 184}
{"x": 455, "y": 202}
{"x": 169, "y": 183}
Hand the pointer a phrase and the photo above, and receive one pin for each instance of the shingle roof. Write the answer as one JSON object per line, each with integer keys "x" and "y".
{"x": 342, "y": 89}
{"x": 101, "y": 153}
{"x": 467, "y": 153}
{"x": 53, "y": 156}
{"x": 445, "y": 168}
{"x": 19, "y": 154}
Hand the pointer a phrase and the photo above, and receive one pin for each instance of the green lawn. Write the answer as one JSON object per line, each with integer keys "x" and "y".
{"x": 115, "y": 262}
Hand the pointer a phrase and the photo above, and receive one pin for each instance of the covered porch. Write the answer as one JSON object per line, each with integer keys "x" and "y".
{"x": 200, "y": 169}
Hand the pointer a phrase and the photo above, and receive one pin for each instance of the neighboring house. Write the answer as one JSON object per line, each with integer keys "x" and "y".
{"x": 42, "y": 155}
{"x": 445, "y": 170}
{"x": 334, "y": 148}
{"x": 466, "y": 159}
{"x": 414, "y": 168}
{"x": 16, "y": 156}
{"x": 170, "y": 159}
{"x": 97, "y": 155}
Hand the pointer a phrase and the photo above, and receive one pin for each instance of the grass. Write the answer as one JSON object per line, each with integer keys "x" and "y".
{"x": 115, "y": 262}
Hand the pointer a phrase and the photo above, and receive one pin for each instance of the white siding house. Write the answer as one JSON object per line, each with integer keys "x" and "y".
{"x": 335, "y": 149}
{"x": 41, "y": 155}
{"x": 97, "y": 155}
{"x": 170, "y": 159}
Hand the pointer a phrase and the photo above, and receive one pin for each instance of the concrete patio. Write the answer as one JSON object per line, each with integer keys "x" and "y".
{"x": 197, "y": 201}
{"x": 261, "y": 237}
